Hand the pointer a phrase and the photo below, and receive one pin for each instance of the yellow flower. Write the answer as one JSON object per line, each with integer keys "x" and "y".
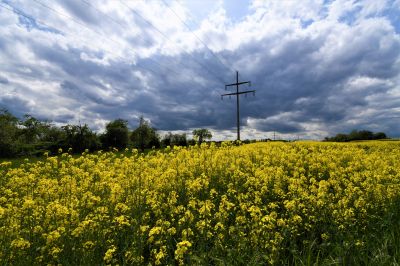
{"x": 182, "y": 249}
{"x": 108, "y": 256}
{"x": 154, "y": 232}
{"x": 325, "y": 236}
{"x": 122, "y": 221}
{"x": 160, "y": 255}
{"x": 20, "y": 243}
{"x": 257, "y": 196}
{"x": 2, "y": 212}
{"x": 88, "y": 245}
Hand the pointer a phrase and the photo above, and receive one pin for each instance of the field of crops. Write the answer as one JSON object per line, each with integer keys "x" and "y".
{"x": 256, "y": 204}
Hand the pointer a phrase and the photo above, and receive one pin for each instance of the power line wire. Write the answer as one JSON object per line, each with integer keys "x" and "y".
{"x": 207, "y": 39}
{"x": 95, "y": 31}
{"x": 119, "y": 23}
{"x": 198, "y": 38}
{"x": 101, "y": 34}
{"x": 74, "y": 20}
{"x": 105, "y": 14}
{"x": 167, "y": 38}
{"x": 19, "y": 12}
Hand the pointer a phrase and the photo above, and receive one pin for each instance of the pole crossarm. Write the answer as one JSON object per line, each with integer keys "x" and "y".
{"x": 240, "y": 83}
{"x": 237, "y": 93}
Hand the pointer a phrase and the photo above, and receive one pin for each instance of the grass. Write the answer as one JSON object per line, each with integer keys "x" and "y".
{"x": 16, "y": 162}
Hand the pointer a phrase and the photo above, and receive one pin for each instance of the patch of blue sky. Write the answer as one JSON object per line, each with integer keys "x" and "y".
{"x": 306, "y": 23}
{"x": 236, "y": 10}
{"x": 350, "y": 17}
{"x": 393, "y": 14}
{"x": 199, "y": 11}
{"x": 324, "y": 12}
{"x": 29, "y": 22}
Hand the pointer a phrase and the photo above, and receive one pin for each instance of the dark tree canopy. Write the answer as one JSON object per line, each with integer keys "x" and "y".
{"x": 117, "y": 134}
{"x": 174, "y": 140}
{"x": 357, "y": 135}
{"x": 201, "y": 134}
{"x": 144, "y": 136}
{"x": 30, "y": 136}
{"x": 80, "y": 138}
{"x": 8, "y": 133}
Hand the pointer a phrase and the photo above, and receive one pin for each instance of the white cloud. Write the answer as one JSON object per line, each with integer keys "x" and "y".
{"x": 314, "y": 65}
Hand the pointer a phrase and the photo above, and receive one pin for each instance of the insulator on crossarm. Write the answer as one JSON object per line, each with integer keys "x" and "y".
{"x": 254, "y": 93}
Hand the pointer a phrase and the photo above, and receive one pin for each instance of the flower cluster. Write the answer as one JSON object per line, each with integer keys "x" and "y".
{"x": 204, "y": 204}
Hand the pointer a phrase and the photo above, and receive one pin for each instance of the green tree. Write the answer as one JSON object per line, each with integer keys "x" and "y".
{"x": 357, "y": 135}
{"x": 8, "y": 133}
{"x": 79, "y": 138}
{"x": 201, "y": 134}
{"x": 380, "y": 135}
{"x": 34, "y": 130}
{"x": 174, "y": 140}
{"x": 30, "y": 129}
{"x": 144, "y": 136}
{"x": 37, "y": 136}
{"x": 361, "y": 135}
{"x": 117, "y": 134}
{"x": 179, "y": 139}
{"x": 54, "y": 135}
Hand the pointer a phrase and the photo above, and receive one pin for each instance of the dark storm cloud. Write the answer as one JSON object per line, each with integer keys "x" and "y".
{"x": 67, "y": 59}
{"x": 278, "y": 126}
{"x": 16, "y": 105}
{"x": 304, "y": 70}
{"x": 83, "y": 77}
{"x": 324, "y": 74}
{"x": 3, "y": 80}
{"x": 178, "y": 101}
{"x": 81, "y": 10}
{"x": 300, "y": 70}
{"x": 64, "y": 119}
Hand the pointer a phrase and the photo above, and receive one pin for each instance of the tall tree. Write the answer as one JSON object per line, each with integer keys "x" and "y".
{"x": 34, "y": 130}
{"x": 38, "y": 136}
{"x": 174, "y": 140}
{"x": 80, "y": 137}
{"x": 144, "y": 136}
{"x": 380, "y": 135}
{"x": 201, "y": 134}
{"x": 117, "y": 134}
{"x": 8, "y": 133}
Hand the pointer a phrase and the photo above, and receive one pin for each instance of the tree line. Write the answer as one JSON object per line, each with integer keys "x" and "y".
{"x": 357, "y": 135}
{"x": 30, "y": 136}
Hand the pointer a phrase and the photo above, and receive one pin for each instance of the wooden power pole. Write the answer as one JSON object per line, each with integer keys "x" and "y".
{"x": 237, "y": 93}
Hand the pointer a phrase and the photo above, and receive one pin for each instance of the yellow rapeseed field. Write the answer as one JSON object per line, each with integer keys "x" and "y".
{"x": 255, "y": 204}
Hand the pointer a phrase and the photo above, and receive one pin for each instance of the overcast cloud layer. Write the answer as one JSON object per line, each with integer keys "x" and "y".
{"x": 318, "y": 67}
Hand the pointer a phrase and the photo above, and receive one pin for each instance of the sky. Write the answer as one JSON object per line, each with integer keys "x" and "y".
{"x": 318, "y": 67}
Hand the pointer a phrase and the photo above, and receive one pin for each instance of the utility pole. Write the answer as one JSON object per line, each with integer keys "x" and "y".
{"x": 237, "y": 93}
